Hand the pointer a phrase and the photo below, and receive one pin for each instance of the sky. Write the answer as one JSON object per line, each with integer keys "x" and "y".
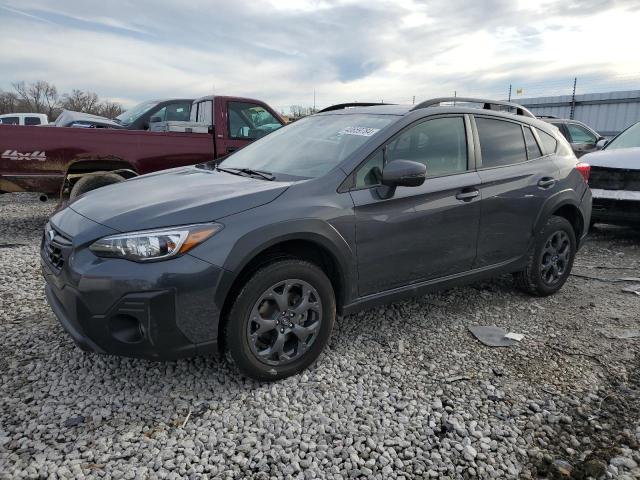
{"x": 283, "y": 51}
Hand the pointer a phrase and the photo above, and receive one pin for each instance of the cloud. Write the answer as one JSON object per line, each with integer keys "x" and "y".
{"x": 344, "y": 50}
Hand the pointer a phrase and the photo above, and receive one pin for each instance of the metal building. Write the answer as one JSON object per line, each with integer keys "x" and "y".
{"x": 608, "y": 113}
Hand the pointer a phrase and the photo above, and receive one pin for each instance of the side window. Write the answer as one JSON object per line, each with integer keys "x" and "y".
{"x": 205, "y": 112}
{"x": 441, "y": 144}
{"x": 533, "y": 150}
{"x": 10, "y": 121}
{"x": 501, "y": 142}
{"x": 177, "y": 112}
{"x": 31, "y": 121}
{"x": 160, "y": 115}
{"x": 580, "y": 135}
{"x": 548, "y": 142}
{"x": 248, "y": 121}
{"x": 370, "y": 173}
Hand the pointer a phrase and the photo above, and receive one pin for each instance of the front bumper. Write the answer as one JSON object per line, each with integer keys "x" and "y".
{"x": 619, "y": 207}
{"x": 161, "y": 310}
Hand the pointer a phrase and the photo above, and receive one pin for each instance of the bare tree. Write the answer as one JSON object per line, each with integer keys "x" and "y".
{"x": 42, "y": 97}
{"x": 80, "y": 101}
{"x": 9, "y": 102}
{"x": 298, "y": 111}
{"x": 110, "y": 109}
{"x": 39, "y": 97}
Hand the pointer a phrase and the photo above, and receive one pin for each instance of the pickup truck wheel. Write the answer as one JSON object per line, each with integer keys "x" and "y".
{"x": 92, "y": 181}
{"x": 281, "y": 320}
{"x": 550, "y": 259}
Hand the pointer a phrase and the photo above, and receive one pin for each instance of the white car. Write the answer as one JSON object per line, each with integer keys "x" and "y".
{"x": 24, "y": 119}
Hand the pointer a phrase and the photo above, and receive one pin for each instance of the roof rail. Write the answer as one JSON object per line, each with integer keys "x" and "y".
{"x": 342, "y": 106}
{"x": 486, "y": 104}
{"x": 547, "y": 116}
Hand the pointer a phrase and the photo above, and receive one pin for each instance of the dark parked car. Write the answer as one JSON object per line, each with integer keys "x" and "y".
{"x": 582, "y": 138}
{"x": 136, "y": 118}
{"x": 333, "y": 214}
{"x": 615, "y": 179}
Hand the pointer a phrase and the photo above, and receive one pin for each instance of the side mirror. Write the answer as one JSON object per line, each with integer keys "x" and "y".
{"x": 155, "y": 119}
{"x": 601, "y": 143}
{"x": 404, "y": 173}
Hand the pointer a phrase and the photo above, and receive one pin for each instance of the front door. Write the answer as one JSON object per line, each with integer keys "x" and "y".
{"x": 417, "y": 233}
{"x": 245, "y": 122}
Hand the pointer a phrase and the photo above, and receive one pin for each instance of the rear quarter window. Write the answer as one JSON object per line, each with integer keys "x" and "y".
{"x": 533, "y": 150}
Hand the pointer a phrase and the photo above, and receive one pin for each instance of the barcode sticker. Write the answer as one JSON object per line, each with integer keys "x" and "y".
{"x": 360, "y": 131}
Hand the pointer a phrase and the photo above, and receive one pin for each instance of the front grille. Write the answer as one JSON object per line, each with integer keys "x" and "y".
{"x": 614, "y": 178}
{"x": 56, "y": 247}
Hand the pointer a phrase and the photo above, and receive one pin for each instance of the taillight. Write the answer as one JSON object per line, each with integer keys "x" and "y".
{"x": 584, "y": 169}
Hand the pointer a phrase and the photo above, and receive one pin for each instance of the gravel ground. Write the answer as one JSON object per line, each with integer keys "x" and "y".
{"x": 402, "y": 391}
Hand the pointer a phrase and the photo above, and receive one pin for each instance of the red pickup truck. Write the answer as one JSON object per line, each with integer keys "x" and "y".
{"x": 71, "y": 161}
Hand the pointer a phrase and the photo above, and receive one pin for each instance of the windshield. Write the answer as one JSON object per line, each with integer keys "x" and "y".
{"x": 310, "y": 147}
{"x": 630, "y": 138}
{"x": 133, "y": 113}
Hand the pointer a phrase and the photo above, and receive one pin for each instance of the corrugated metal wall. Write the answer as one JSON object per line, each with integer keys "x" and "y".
{"x": 608, "y": 113}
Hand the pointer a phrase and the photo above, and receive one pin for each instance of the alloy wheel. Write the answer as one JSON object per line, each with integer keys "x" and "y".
{"x": 284, "y": 322}
{"x": 555, "y": 257}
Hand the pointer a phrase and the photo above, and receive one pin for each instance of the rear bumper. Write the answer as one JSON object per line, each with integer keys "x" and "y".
{"x": 586, "y": 206}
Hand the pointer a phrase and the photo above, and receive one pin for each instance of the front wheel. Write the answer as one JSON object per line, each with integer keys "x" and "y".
{"x": 550, "y": 259}
{"x": 281, "y": 320}
{"x": 92, "y": 181}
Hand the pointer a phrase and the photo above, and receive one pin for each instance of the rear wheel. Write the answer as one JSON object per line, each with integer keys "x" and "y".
{"x": 92, "y": 181}
{"x": 281, "y": 320}
{"x": 550, "y": 259}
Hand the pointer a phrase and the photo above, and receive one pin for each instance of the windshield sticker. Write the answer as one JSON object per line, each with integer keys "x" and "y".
{"x": 360, "y": 131}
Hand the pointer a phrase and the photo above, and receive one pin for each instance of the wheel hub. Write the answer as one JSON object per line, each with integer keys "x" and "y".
{"x": 284, "y": 322}
{"x": 556, "y": 255}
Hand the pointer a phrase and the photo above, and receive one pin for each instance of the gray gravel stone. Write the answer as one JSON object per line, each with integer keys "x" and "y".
{"x": 403, "y": 391}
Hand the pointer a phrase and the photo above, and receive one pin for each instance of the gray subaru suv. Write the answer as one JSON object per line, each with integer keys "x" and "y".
{"x": 355, "y": 206}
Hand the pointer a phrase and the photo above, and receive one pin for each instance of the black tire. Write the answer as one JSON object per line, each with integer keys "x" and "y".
{"x": 92, "y": 181}
{"x": 242, "y": 346}
{"x": 545, "y": 272}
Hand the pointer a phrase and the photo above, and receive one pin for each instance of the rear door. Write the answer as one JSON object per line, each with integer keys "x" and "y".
{"x": 418, "y": 233}
{"x": 245, "y": 122}
{"x": 517, "y": 177}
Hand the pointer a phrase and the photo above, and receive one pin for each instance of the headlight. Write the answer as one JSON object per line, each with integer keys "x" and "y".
{"x": 154, "y": 244}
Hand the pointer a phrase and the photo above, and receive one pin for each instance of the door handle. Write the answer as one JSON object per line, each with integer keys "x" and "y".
{"x": 231, "y": 149}
{"x": 546, "y": 182}
{"x": 467, "y": 195}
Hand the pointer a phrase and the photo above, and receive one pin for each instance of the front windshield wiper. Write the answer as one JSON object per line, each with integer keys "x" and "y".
{"x": 247, "y": 172}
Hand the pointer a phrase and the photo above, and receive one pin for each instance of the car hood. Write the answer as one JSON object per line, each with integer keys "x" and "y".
{"x": 69, "y": 117}
{"x": 179, "y": 196}
{"x": 627, "y": 158}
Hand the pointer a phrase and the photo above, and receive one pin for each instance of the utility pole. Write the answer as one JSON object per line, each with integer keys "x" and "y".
{"x": 573, "y": 98}
{"x": 413, "y": 102}
{"x": 455, "y": 95}
{"x": 509, "y": 92}
{"x": 314, "y": 100}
